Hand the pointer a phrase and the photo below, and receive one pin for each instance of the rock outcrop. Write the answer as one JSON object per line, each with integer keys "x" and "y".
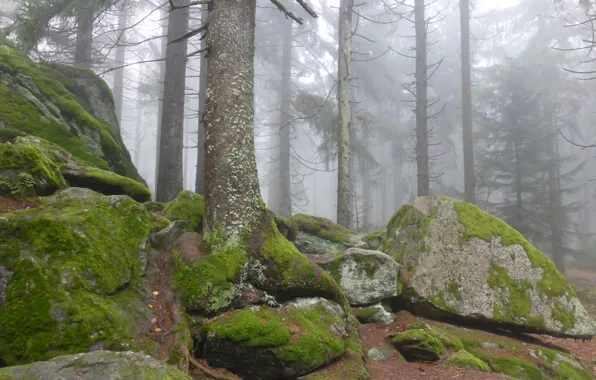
{"x": 72, "y": 109}
{"x": 458, "y": 260}
{"x": 97, "y": 365}
{"x": 319, "y": 236}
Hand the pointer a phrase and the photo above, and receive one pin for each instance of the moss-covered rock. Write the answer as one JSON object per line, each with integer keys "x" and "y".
{"x": 187, "y": 206}
{"x": 374, "y": 314}
{"x": 464, "y": 359}
{"x": 421, "y": 342}
{"x": 365, "y": 276}
{"x": 374, "y": 239}
{"x": 75, "y": 276}
{"x": 317, "y": 235}
{"x": 518, "y": 368}
{"x": 458, "y": 260}
{"x": 72, "y": 108}
{"x": 97, "y": 365}
{"x": 265, "y": 343}
{"x": 33, "y": 166}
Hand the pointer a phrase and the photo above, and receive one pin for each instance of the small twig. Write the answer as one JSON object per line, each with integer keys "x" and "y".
{"x": 285, "y": 11}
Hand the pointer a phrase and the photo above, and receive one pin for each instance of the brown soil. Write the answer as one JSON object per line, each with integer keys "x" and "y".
{"x": 13, "y": 204}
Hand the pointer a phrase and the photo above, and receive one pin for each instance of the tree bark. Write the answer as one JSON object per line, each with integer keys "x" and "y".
{"x": 285, "y": 207}
{"x": 162, "y": 71}
{"x": 170, "y": 176}
{"x": 423, "y": 178}
{"x": 84, "y": 39}
{"x": 466, "y": 82}
{"x": 120, "y": 59}
{"x": 345, "y": 114}
{"x": 233, "y": 204}
{"x": 203, "y": 69}
{"x": 554, "y": 191}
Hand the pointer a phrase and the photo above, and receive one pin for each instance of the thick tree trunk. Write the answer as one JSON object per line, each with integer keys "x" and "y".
{"x": 421, "y": 101}
{"x": 163, "y": 17}
{"x": 466, "y": 82}
{"x": 233, "y": 204}
{"x": 84, "y": 41}
{"x": 285, "y": 207}
{"x": 120, "y": 58}
{"x": 203, "y": 68}
{"x": 170, "y": 176}
{"x": 345, "y": 113}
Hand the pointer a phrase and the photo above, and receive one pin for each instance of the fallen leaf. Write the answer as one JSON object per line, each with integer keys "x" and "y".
{"x": 157, "y": 329}
{"x": 150, "y": 306}
{"x": 155, "y": 293}
{"x": 153, "y": 320}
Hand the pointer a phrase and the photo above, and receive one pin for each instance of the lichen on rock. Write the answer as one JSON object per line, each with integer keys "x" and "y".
{"x": 465, "y": 262}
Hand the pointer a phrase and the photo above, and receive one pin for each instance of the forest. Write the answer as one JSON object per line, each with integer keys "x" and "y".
{"x": 358, "y": 107}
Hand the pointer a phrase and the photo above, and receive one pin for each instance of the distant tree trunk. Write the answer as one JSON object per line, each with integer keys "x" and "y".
{"x": 163, "y": 17}
{"x": 120, "y": 58}
{"x": 421, "y": 101}
{"x": 84, "y": 39}
{"x": 398, "y": 184}
{"x": 185, "y": 144}
{"x": 170, "y": 176}
{"x": 138, "y": 134}
{"x": 518, "y": 183}
{"x": 285, "y": 207}
{"x": 345, "y": 113}
{"x": 554, "y": 192}
{"x": 232, "y": 203}
{"x": 203, "y": 68}
{"x": 466, "y": 81}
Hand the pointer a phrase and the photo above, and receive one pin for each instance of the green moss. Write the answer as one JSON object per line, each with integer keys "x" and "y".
{"x": 564, "y": 316}
{"x": 112, "y": 183}
{"x": 67, "y": 292}
{"x": 565, "y": 371}
{"x": 322, "y": 227}
{"x": 9, "y": 134}
{"x": 516, "y": 367}
{"x": 519, "y": 304}
{"x": 32, "y": 172}
{"x": 187, "y": 206}
{"x": 454, "y": 290}
{"x": 366, "y": 313}
{"x": 302, "y": 339}
{"x": 209, "y": 284}
{"x": 414, "y": 224}
{"x": 482, "y": 225}
{"x": 380, "y": 235}
{"x": 464, "y": 359}
{"x": 423, "y": 339}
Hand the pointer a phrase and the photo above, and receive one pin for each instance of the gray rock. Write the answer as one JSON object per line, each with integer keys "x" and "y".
{"x": 466, "y": 262}
{"x": 374, "y": 314}
{"x": 314, "y": 245}
{"x": 380, "y": 354}
{"x": 96, "y": 365}
{"x": 365, "y": 276}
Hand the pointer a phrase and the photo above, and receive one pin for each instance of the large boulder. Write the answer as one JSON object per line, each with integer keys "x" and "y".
{"x": 73, "y": 280}
{"x": 365, "y": 276}
{"x": 459, "y": 261}
{"x": 97, "y": 365}
{"x": 72, "y": 108}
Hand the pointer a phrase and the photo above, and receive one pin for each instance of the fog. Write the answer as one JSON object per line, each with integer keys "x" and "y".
{"x": 532, "y": 104}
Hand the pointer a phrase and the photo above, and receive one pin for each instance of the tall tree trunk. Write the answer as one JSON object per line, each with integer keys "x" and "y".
{"x": 398, "y": 185}
{"x": 138, "y": 135}
{"x": 466, "y": 88}
{"x": 170, "y": 176}
{"x": 84, "y": 41}
{"x": 421, "y": 101}
{"x": 233, "y": 203}
{"x": 554, "y": 191}
{"x": 203, "y": 68}
{"x": 120, "y": 59}
{"x": 345, "y": 113}
{"x": 163, "y": 17}
{"x": 518, "y": 182}
{"x": 285, "y": 207}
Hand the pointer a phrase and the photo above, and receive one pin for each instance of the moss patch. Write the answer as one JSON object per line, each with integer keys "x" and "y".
{"x": 187, "y": 206}
{"x": 76, "y": 272}
{"x": 322, "y": 227}
{"x": 516, "y": 367}
{"x": 110, "y": 183}
{"x": 519, "y": 303}
{"x": 464, "y": 359}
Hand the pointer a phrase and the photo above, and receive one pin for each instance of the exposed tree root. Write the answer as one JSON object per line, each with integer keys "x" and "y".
{"x": 202, "y": 368}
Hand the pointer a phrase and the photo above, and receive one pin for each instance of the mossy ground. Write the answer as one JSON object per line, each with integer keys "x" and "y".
{"x": 322, "y": 227}
{"x": 463, "y": 359}
{"x": 75, "y": 274}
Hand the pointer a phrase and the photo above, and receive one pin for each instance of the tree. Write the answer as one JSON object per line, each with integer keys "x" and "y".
{"x": 203, "y": 68}
{"x": 422, "y": 159}
{"x": 170, "y": 177}
{"x": 344, "y": 61}
{"x": 118, "y": 90}
{"x": 467, "y": 130}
